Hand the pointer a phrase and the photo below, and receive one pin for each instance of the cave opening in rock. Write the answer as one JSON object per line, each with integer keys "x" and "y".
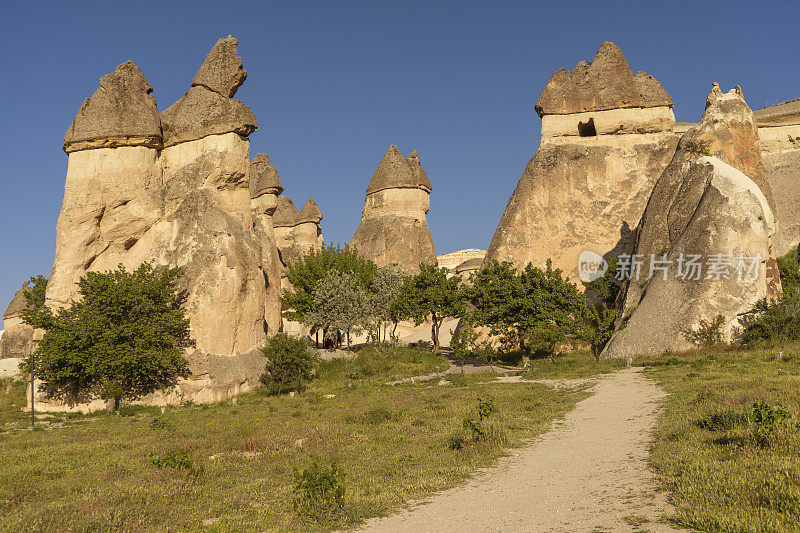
{"x": 587, "y": 129}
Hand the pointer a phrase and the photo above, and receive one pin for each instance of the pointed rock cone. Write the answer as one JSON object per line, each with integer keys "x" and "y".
{"x": 223, "y": 70}
{"x": 310, "y": 212}
{"x": 263, "y": 177}
{"x": 286, "y": 215}
{"x": 397, "y": 172}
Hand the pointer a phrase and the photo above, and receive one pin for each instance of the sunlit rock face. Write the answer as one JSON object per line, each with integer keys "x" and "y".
{"x": 713, "y": 208}
{"x": 394, "y": 226}
{"x": 607, "y": 135}
{"x": 779, "y": 140}
{"x": 175, "y": 189}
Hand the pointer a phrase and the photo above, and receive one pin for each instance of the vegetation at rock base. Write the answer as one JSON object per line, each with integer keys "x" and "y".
{"x": 122, "y": 338}
{"x": 727, "y": 443}
{"x": 95, "y": 472}
{"x": 778, "y": 320}
{"x": 290, "y": 361}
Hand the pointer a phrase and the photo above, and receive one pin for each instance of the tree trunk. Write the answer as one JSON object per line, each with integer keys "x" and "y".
{"x": 113, "y": 404}
{"x": 436, "y": 325}
{"x": 348, "y": 339}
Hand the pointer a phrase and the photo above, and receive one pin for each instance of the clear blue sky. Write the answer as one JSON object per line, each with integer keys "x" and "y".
{"x": 334, "y": 83}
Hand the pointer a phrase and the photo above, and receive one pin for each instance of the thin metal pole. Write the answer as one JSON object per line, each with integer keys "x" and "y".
{"x": 33, "y": 418}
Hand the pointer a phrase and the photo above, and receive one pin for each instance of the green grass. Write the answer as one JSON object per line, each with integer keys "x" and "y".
{"x": 722, "y": 475}
{"x": 232, "y": 465}
{"x": 580, "y": 364}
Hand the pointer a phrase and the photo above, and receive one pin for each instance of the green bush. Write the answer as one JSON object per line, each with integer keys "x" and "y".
{"x": 774, "y": 320}
{"x": 290, "y": 360}
{"x": 722, "y": 420}
{"x": 767, "y": 419}
{"x": 708, "y": 333}
{"x": 178, "y": 460}
{"x": 319, "y": 491}
{"x": 477, "y": 428}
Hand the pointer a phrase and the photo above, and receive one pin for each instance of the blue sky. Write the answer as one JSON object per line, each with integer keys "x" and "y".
{"x": 334, "y": 83}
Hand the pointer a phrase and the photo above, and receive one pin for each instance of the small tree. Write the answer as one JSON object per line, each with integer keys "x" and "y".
{"x": 123, "y": 337}
{"x": 602, "y": 309}
{"x": 305, "y": 274}
{"x": 385, "y": 290}
{"x": 430, "y": 294}
{"x": 290, "y": 360}
{"x": 340, "y": 302}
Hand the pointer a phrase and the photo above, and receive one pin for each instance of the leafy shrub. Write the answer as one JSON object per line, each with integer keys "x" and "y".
{"x": 319, "y": 491}
{"x": 774, "y": 320}
{"x": 290, "y": 360}
{"x": 178, "y": 460}
{"x": 699, "y": 147}
{"x": 457, "y": 440}
{"x": 708, "y": 333}
{"x": 160, "y": 424}
{"x": 766, "y": 419}
{"x": 476, "y": 428}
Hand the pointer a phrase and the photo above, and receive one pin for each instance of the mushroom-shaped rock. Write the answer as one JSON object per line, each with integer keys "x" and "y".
{"x": 263, "y": 177}
{"x": 605, "y": 83}
{"x": 122, "y": 112}
{"x": 310, "y": 212}
{"x": 223, "y": 70}
{"x": 286, "y": 215}
{"x": 18, "y": 304}
{"x": 397, "y": 172}
{"x": 201, "y": 113}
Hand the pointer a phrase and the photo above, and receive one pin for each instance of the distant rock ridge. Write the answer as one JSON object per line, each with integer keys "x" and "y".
{"x": 394, "y": 227}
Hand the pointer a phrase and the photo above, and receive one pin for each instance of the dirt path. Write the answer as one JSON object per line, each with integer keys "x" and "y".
{"x": 588, "y": 473}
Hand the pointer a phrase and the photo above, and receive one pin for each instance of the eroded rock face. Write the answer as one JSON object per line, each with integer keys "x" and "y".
{"x": 728, "y": 215}
{"x": 223, "y": 70}
{"x": 17, "y": 339}
{"x": 394, "y": 226}
{"x": 604, "y": 83}
{"x": 707, "y": 208}
{"x": 606, "y": 137}
{"x": 190, "y": 205}
{"x": 122, "y": 112}
{"x": 296, "y": 232}
{"x": 779, "y": 140}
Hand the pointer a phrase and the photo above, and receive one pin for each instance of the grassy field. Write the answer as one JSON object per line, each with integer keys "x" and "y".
{"x": 726, "y": 469}
{"x": 235, "y": 463}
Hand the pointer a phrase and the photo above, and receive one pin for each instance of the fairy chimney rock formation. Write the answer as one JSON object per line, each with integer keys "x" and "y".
{"x": 122, "y": 112}
{"x": 779, "y": 140}
{"x": 17, "y": 338}
{"x": 394, "y": 227}
{"x": 607, "y": 135}
{"x": 713, "y": 210}
{"x": 296, "y": 232}
{"x": 175, "y": 189}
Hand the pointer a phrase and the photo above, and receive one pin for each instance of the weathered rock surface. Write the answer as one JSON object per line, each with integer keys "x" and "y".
{"x": 310, "y": 212}
{"x": 452, "y": 259}
{"x": 17, "y": 339}
{"x": 604, "y": 83}
{"x": 587, "y": 186}
{"x": 264, "y": 190}
{"x": 394, "y": 227}
{"x": 223, "y": 70}
{"x": 711, "y": 208}
{"x": 779, "y": 140}
{"x": 122, "y": 112}
{"x": 296, "y": 232}
{"x": 727, "y": 214}
{"x": 203, "y": 112}
{"x": 191, "y": 205}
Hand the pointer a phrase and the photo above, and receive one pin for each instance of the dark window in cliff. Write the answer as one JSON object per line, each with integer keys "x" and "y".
{"x": 586, "y": 129}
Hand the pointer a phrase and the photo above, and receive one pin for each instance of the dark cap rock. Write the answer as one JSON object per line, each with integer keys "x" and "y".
{"x": 203, "y": 112}
{"x": 263, "y": 177}
{"x": 122, "y": 112}
{"x": 285, "y": 215}
{"x": 605, "y": 83}
{"x": 222, "y": 71}
{"x": 397, "y": 172}
{"x": 310, "y": 212}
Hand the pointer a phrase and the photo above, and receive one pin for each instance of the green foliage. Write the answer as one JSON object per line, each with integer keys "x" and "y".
{"x": 431, "y": 294}
{"x": 290, "y": 360}
{"x": 305, "y": 274}
{"x": 35, "y": 314}
{"x": 768, "y": 418}
{"x": 789, "y": 269}
{"x": 319, "y": 491}
{"x": 340, "y": 302}
{"x": 477, "y": 428}
{"x": 722, "y": 420}
{"x": 707, "y": 334}
{"x": 699, "y": 147}
{"x": 122, "y": 338}
{"x": 178, "y": 460}
{"x": 602, "y": 310}
{"x": 537, "y": 310}
{"x": 385, "y": 291}
{"x": 776, "y": 321}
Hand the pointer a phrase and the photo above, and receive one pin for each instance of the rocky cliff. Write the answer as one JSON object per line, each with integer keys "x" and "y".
{"x": 607, "y": 135}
